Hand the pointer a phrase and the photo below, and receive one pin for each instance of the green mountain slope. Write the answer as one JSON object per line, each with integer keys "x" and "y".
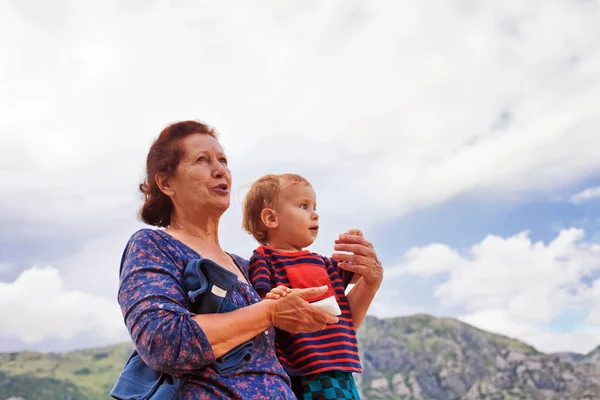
{"x": 416, "y": 357}
{"x": 421, "y": 357}
{"x": 83, "y": 374}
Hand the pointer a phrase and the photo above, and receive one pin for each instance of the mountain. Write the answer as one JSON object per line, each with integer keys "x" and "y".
{"x": 83, "y": 374}
{"x": 592, "y": 357}
{"x": 422, "y": 357}
{"x": 569, "y": 356}
{"x": 415, "y": 357}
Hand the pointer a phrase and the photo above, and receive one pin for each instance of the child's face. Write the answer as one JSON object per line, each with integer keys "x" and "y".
{"x": 298, "y": 221}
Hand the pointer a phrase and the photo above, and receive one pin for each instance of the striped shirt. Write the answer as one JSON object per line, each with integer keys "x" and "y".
{"x": 331, "y": 349}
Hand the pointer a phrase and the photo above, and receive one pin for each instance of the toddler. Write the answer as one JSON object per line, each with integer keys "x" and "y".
{"x": 280, "y": 212}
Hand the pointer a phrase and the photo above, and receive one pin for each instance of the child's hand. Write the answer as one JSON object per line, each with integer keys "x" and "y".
{"x": 359, "y": 257}
{"x": 356, "y": 232}
{"x": 277, "y": 292}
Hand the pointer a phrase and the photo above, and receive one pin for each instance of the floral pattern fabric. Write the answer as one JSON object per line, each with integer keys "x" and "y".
{"x": 153, "y": 303}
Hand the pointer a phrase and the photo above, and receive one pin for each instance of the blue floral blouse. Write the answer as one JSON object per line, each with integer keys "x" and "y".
{"x": 153, "y": 303}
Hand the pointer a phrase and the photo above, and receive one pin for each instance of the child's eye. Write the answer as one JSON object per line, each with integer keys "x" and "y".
{"x": 304, "y": 206}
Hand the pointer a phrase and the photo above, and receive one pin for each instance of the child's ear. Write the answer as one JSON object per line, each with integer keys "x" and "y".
{"x": 268, "y": 217}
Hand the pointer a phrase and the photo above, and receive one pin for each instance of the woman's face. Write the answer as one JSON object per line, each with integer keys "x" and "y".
{"x": 202, "y": 181}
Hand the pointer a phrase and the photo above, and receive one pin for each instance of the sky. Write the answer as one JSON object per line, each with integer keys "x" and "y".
{"x": 461, "y": 137}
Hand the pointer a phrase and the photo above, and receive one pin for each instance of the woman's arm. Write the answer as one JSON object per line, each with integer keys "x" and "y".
{"x": 154, "y": 306}
{"x": 290, "y": 313}
{"x": 169, "y": 337}
{"x": 364, "y": 262}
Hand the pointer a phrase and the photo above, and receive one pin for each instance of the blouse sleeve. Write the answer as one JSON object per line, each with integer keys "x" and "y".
{"x": 261, "y": 274}
{"x": 153, "y": 304}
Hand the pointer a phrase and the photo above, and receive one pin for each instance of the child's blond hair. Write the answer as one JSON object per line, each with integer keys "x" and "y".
{"x": 263, "y": 194}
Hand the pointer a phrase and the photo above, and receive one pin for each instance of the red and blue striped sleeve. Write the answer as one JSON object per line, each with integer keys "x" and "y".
{"x": 346, "y": 276}
{"x": 261, "y": 272}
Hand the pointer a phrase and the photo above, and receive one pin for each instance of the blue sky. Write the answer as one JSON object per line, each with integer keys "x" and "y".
{"x": 463, "y": 142}
{"x": 464, "y": 221}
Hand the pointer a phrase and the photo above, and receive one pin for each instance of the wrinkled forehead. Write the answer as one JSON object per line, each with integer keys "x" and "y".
{"x": 200, "y": 143}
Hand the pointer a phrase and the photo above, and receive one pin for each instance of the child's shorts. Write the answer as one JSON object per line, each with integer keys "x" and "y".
{"x": 325, "y": 385}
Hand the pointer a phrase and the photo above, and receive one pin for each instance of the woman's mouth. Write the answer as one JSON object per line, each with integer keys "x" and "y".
{"x": 221, "y": 189}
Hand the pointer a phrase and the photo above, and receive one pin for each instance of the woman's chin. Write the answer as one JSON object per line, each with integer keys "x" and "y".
{"x": 222, "y": 204}
{"x": 219, "y": 206}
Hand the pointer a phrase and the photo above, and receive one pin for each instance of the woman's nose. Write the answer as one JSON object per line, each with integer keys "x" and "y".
{"x": 219, "y": 170}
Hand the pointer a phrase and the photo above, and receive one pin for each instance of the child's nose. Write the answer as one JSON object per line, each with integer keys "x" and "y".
{"x": 315, "y": 216}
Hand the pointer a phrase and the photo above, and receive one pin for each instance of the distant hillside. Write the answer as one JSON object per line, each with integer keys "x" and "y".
{"x": 421, "y": 357}
{"x": 416, "y": 357}
{"x": 83, "y": 374}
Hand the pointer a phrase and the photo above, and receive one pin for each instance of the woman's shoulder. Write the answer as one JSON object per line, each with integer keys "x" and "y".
{"x": 149, "y": 240}
{"x": 148, "y": 236}
{"x": 152, "y": 246}
{"x": 145, "y": 233}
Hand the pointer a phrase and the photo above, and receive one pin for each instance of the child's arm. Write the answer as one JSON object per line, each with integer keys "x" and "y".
{"x": 261, "y": 274}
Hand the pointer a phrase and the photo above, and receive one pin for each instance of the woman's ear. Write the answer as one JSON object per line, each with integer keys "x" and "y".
{"x": 164, "y": 183}
{"x": 268, "y": 217}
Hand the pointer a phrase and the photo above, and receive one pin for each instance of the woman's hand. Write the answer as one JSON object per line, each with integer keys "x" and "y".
{"x": 292, "y": 313}
{"x": 363, "y": 261}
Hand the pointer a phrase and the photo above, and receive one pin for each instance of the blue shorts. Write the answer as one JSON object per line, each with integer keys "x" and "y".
{"x": 325, "y": 385}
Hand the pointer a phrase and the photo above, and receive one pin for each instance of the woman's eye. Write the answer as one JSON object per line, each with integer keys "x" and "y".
{"x": 223, "y": 160}
{"x": 201, "y": 158}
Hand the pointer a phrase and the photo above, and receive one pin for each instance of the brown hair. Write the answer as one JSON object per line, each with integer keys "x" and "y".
{"x": 263, "y": 194}
{"x": 164, "y": 156}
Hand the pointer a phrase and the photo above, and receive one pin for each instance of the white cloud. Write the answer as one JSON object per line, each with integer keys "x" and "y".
{"x": 585, "y": 195}
{"x": 515, "y": 286}
{"x": 533, "y": 281}
{"x": 579, "y": 339}
{"x": 413, "y": 107}
{"x": 427, "y": 261}
{"x": 387, "y": 106}
{"x": 594, "y": 293}
{"x": 36, "y": 307}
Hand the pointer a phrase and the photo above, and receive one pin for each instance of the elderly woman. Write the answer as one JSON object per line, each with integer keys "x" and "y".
{"x": 186, "y": 191}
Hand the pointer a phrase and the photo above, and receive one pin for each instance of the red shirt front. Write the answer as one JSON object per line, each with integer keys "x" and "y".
{"x": 332, "y": 349}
